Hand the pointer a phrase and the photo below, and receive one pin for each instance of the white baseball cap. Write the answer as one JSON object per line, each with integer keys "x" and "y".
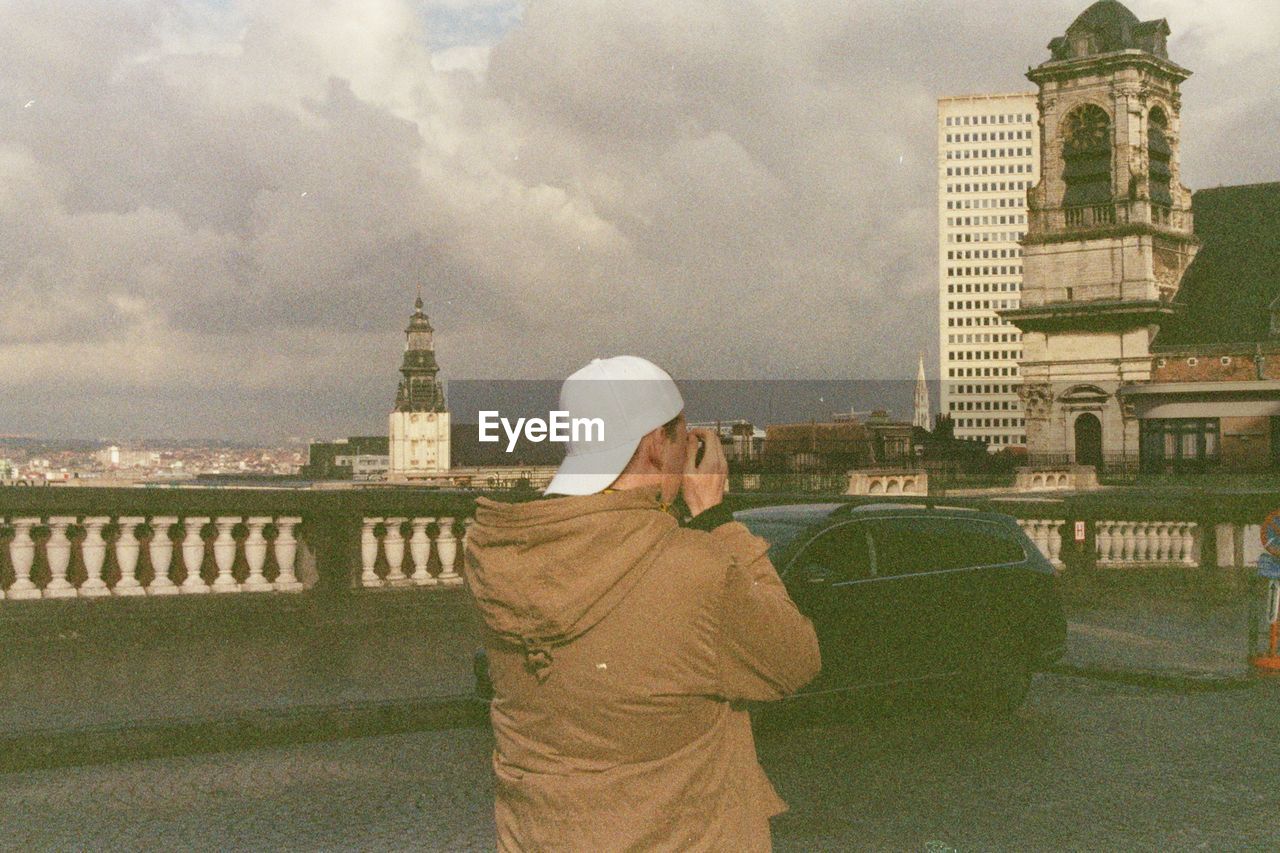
{"x": 631, "y": 396}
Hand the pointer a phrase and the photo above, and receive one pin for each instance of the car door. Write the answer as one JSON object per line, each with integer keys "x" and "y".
{"x": 831, "y": 581}
{"x": 944, "y": 591}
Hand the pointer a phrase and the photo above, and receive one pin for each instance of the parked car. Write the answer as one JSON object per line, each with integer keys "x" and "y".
{"x": 902, "y": 593}
{"x": 905, "y": 594}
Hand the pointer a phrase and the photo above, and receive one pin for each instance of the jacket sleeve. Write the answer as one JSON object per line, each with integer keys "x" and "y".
{"x": 766, "y": 648}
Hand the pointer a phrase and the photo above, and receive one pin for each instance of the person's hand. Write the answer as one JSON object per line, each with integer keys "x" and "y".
{"x": 704, "y": 485}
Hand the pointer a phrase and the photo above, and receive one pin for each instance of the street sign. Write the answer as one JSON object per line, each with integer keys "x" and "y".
{"x": 1270, "y": 534}
{"x": 1269, "y": 566}
{"x": 1079, "y": 531}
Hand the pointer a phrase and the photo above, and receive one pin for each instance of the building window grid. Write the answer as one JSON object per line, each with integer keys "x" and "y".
{"x": 971, "y": 424}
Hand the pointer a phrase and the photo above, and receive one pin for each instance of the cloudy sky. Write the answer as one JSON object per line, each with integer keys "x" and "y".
{"x": 214, "y": 215}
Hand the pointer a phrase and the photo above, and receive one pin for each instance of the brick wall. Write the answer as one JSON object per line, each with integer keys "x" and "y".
{"x": 1208, "y": 367}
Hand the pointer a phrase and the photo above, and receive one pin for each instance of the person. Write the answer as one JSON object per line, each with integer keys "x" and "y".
{"x": 622, "y": 641}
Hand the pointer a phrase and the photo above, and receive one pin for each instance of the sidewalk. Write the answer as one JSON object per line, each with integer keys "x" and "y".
{"x": 1143, "y": 630}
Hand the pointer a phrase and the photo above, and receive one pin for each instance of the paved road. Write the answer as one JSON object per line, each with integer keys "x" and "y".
{"x": 1085, "y": 765}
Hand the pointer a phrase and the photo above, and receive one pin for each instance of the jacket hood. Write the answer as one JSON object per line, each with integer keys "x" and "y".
{"x": 544, "y": 572}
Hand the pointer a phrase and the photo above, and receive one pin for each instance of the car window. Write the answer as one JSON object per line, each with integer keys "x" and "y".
{"x": 779, "y": 533}
{"x": 843, "y": 551}
{"x": 920, "y": 544}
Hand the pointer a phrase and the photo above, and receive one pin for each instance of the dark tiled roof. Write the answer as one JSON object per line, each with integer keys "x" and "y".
{"x": 1111, "y": 27}
{"x": 1226, "y": 292}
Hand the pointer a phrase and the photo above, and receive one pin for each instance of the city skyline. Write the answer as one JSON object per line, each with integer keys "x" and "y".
{"x": 215, "y": 217}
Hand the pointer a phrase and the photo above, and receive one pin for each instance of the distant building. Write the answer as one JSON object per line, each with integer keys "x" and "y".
{"x": 115, "y": 457}
{"x": 740, "y": 439}
{"x": 814, "y": 446}
{"x": 1148, "y": 314}
{"x": 357, "y": 457}
{"x": 1214, "y": 395}
{"x": 419, "y": 425}
{"x": 988, "y": 155}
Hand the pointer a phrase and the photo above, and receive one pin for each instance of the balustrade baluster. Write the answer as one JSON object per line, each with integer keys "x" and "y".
{"x": 369, "y": 553}
{"x": 1042, "y": 537}
{"x": 58, "y": 551}
{"x": 447, "y": 549}
{"x": 1163, "y": 542}
{"x": 22, "y": 554}
{"x": 127, "y": 551}
{"x": 94, "y": 551}
{"x": 224, "y": 554}
{"x": 1191, "y": 544}
{"x": 420, "y": 551}
{"x": 1127, "y": 542}
{"x": 160, "y": 550}
{"x": 393, "y": 547}
{"x": 1102, "y": 541}
{"x": 255, "y": 555}
{"x": 1055, "y": 542}
{"x": 193, "y": 556}
{"x": 286, "y": 548}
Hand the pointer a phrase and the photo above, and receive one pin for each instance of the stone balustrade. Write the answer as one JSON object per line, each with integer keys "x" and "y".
{"x": 1074, "y": 478}
{"x": 97, "y": 556}
{"x": 870, "y": 482}
{"x": 433, "y": 542}
{"x": 1047, "y": 536}
{"x": 1127, "y": 542}
{"x": 1124, "y": 543}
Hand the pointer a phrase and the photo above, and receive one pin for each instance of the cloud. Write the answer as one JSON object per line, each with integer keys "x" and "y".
{"x": 214, "y": 208}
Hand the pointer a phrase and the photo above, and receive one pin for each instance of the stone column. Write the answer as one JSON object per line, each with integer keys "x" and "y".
{"x": 160, "y": 550}
{"x": 22, "y": 553}
{"x": 193, "y": 555}
{"x": 127, "y": 552}
{"x": 58, "y": 550}
{"x": 420, "y": 551}
{"x": 286, "y": 547}
{"x": 447, "y": 548}
{"x": 369, "y": 553}
{"x": 393, "y": 547}
{"x": 255, "y": 555}
{"x": 94, "y": 551}
{"x": 224, "y": 554}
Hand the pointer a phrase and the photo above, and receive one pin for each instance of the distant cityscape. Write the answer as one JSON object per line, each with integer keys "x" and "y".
{"x": 37, "y": 461}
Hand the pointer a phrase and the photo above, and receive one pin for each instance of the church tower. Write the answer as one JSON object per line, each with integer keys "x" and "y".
{"x": 419, "y": 441}
{"x": 920, "y": 416}
{"x": 1109, "y": 232}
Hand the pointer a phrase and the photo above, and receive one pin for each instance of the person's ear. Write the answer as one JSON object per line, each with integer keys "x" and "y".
{"x": 651, "y": 447}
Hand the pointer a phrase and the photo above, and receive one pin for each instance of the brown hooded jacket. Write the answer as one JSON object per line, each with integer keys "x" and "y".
{"x": 619, "y": 644}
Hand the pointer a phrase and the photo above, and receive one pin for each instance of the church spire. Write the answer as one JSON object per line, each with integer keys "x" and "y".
{"x": 419, "y": 390}
{"x": 921, "y": 417}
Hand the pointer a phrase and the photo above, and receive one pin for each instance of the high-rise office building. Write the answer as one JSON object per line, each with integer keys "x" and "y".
{"x": 988, "y": 155}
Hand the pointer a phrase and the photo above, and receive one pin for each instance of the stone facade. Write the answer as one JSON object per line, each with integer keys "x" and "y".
{"x": 1109, "y": 233}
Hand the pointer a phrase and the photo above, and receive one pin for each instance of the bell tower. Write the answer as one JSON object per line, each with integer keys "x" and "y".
{"x": 1109, "y": 231}
{"x": 419, "y": 424}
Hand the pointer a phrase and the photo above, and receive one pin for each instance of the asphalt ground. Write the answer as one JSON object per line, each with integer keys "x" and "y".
{"x": 1084, "y": 765}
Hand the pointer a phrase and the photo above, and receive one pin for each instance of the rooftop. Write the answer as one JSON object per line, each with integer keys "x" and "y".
{"x": 1108, "y": 27}
{"x": 1227, "y": 291}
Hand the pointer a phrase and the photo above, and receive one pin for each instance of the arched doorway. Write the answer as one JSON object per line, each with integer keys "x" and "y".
{"x": 1089, "y": 440}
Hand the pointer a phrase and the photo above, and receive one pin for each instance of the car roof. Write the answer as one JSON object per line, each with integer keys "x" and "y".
{"x": 815, "y": 512}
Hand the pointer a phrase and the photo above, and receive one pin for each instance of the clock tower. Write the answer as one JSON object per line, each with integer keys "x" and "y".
{"x": 1109, "y": 232}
